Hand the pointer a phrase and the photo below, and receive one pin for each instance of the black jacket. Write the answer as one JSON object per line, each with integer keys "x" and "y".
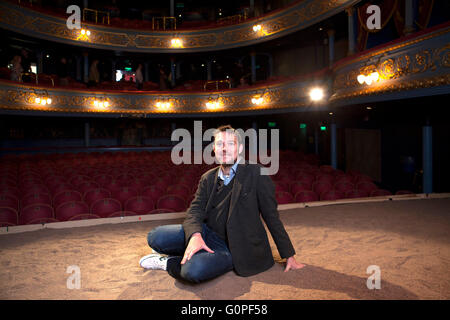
{"x": 253, "y": 196}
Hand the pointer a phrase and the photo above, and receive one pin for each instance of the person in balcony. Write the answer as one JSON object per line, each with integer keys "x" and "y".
{"x": 94, "y": 74}
{"x": 139, "y": 77}
{"x": 16, "y": 69}
{"x": 63, "y": 72}
{"x": 223, "y": 230}
{"x": 162, "y": 79}
{"x": 26, "y": 63}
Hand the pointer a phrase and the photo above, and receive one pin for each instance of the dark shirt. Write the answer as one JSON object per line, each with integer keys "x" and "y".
{"x": 218, "y": 215}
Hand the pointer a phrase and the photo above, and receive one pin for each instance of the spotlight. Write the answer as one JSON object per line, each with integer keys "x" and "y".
{"x": 316, "y": 94}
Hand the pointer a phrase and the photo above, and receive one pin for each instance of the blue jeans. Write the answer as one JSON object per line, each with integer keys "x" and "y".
{"x": 203, "y": 265}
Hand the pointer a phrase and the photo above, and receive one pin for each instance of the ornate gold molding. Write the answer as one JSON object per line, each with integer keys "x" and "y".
{"x": 293, "y": 18}
{"x": 21, "y": 97}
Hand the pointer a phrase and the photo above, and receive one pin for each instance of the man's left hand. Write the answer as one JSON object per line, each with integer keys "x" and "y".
{"x": 291, "y": 263}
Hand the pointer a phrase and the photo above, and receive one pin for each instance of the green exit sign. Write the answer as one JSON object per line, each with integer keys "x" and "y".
{"x": 302, "y": 125}
{"x": 272, "y": 124}
{"x": 323, "y": 128}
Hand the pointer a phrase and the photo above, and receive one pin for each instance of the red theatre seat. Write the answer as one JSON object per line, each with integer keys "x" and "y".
{"x": 320, "y": 187}
{"x": 140, "y": 205}
{"x": 344, "y": 186}
{"x": 306, "y": 196}
{"x": 124, "y": 193}
{"x": 70, "y": 209}
{"x": 180, "y": 190}
{"x": 305, "y": 177}
{"x": 366, "y": 186}
{"x": 153, "y": 192}
{"x": 36, "y": 213}
{"x": 84, "y": 216}
{"x": 156, "y": 211}
{"x": 298, "y": 186}
{"x": 356, "y": 193}
{"x": 281, "y": 186}
{"x": 105, "y": 207}
{"x": 8, "y": 200}
{"x": 332, "y": 195}
{"x": 66, "y": 196}
{"x": 284, "y": 197}
{"x": 88, "y": 185}
{"x": 36, "y": 198}
{"x": 8, "y": 217}
{"x": 171, "y": 202}
{"x": 103, "y": 179}
{"x": 90, "y": 196}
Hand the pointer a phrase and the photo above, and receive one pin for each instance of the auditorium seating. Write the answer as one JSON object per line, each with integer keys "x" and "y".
{"x": 106, "y": 207}
{"x": 8, "y": 217}
{"x": 43, "y": 188}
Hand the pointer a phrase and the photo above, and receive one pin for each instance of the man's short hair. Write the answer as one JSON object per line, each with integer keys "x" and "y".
{"x": 230, "y": 129}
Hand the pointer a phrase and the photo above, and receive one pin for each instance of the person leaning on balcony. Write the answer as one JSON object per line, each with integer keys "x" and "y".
{"x": 16, "y": 69}
{"x": 63, "y": 72}
{"x": 139, "y": 77}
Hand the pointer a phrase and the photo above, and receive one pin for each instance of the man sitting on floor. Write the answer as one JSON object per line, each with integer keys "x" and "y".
{"x": 223, "y": 230}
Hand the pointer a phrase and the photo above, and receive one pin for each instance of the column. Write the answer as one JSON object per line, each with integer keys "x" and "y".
{"x": 331, "y": 47}
{"x": 427, "y": 150}
{"x": 351, "y": 30}
{"x": 172, "y": 71}
{"x": 316, "y": 139}
{"x": 209, "y": 70}
{"x": 333, "y": 145}
{"x": 86, "y": 134}
{"x": 178, "y": 70}
{"x": 146, "y": 71}
{"x": 79, "y": 68}
{"x": 253, "y": 66}
{"x": 172, "y": 8}
{"x": 86, "y": 67}
{"x": 252, "y": 8}
{"x": 113, "y": 69}
{"x": 40, "y": 61}
{"x": 409, "y": 17}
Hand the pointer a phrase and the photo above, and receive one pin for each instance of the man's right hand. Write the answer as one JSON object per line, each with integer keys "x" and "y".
{"x": 195, "y": 244}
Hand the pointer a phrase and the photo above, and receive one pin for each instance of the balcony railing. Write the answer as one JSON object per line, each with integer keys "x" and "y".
{"x": 96, "y": 13}
{"x": 216, "y": 83}
{"x": 157, "y": 22}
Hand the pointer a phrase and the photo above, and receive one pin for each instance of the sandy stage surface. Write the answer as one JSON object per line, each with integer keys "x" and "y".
{"x": 409, "y": 240}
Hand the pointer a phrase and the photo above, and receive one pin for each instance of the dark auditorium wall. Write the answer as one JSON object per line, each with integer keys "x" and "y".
{"x": 363, "y": 151}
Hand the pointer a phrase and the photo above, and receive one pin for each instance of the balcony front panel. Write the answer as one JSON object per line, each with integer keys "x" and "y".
{"x": 300, "y": 15}
{"x": 418, "y": 65}
{"x": 284, "y": 96}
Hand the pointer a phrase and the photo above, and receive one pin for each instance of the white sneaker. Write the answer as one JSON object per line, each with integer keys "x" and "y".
{"x": 154, "y": 261}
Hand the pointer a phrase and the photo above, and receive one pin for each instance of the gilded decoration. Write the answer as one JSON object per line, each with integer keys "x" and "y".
{"x": 415, "y": 68}
{"x": 21, "y": 97}
{"x": 291, "y": 19}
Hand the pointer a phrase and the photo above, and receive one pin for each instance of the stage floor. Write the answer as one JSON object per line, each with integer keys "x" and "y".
{"x": 408, "y": 240}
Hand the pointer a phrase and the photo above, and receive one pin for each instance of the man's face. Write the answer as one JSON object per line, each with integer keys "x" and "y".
{"x": 226, "y": 147}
